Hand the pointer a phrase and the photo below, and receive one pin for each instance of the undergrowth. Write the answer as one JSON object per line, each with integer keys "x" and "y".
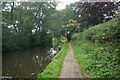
{"x": 97, "y": 50}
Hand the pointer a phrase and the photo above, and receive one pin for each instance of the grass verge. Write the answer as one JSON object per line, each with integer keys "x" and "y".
{"x": 97, "y": 50}
{"x": 54, "y": 67}
{"x": 81, "y": 57}
{"x": 96, "y": 60}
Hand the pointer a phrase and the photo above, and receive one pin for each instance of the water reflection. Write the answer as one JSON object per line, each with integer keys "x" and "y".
{"x": 26, "y": 63}
{"x": 53, "y": 52}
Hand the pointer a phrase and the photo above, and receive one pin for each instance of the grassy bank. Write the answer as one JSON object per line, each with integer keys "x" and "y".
{"x": 97, "y": 50}
{"x": 54, "y": 67}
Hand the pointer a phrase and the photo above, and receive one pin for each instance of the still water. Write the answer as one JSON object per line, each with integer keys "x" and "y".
{"x": 26, "y": 63}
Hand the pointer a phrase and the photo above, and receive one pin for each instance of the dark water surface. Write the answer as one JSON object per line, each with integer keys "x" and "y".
{"x": 27, "y": 63}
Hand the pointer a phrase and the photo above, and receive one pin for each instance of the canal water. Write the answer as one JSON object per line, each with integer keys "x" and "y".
{"x": 26, "y": 64}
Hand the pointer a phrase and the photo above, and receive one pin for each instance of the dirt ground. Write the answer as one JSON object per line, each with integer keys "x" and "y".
{"x": 70, "y": 67}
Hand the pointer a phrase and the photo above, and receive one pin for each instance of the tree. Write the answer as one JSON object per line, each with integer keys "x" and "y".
{"x": 93, "y": 13}
{"x": 27, "y": 25}
{"x": 69, "y": 13}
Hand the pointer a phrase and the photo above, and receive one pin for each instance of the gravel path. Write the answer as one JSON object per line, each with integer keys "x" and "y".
{"x": 70, "y": 67}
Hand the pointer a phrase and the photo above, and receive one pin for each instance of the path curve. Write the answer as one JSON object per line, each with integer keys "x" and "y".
{"x": 70, "y": 67}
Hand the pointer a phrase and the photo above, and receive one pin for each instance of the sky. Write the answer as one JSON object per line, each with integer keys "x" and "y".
{"x": 60, "y": 6}
{"x": 64, "y": 3}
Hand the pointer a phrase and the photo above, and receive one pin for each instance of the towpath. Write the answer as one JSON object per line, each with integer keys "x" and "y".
{"x": 70, "y": 67}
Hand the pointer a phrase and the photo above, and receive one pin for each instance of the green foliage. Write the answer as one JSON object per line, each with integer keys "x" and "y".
{"x": 72, "y": 26}
{"x": 72, "y": 23}
{"x": 106, "y": 32}
{"x": 26, "y": 25}
{"x": 77, "y": 36}
{"x": 93, "y": 13}
{"x": 97, "y": 50}
{"x": 69, "y": 23}
{"x": 95, "y": 60}
{"x": 54, "y": 41}
{"x": 54, "y": 67}
{"x": 63, "y": 39}
{"x": 69, "y": 13}
{"x": 69, "y": 29}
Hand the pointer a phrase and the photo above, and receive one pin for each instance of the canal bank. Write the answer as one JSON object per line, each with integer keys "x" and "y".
{"x": 54, "y": 67}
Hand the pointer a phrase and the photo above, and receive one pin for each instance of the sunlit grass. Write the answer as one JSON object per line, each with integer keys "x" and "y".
{"x": 54, "y": 67}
